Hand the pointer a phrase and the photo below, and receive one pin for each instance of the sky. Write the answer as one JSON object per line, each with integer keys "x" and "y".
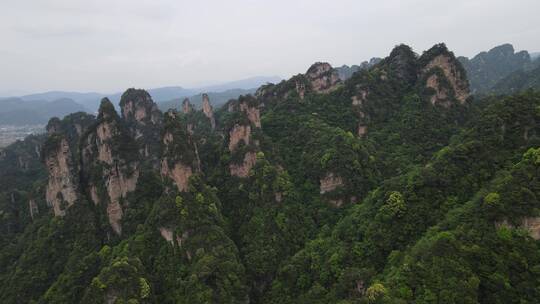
{"x": 109, "y": 45}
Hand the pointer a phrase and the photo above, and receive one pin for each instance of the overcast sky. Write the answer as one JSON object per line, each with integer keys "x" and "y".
{"x": 110, "y": 45}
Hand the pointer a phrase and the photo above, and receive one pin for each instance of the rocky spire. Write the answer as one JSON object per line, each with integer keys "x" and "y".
{"x": 444, "y": 75}
{"x": 241, "y": 134}
{"x": 207, "y": 109}
{"x": 179, "y": 159}
{"x": 144, "y": 121}
{"x": 138, "y": 107}
{"x": 61, "y": 159}
{"x": 322, "y": 77}
{"x": 110, "y": 163}
{"x": 62, "y": 186}
{"x": 186, "y": 106}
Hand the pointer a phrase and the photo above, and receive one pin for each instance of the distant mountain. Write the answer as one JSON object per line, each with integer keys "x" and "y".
{"x": 216, "y": 99}
{"x": 245, "y": 84}
{"x": 487, "y": 68}
{"x": 91, "y": 100}
{"x": 388, "y": 187}
{"x": 345, "y": 72}
{"x": 16, "y": 111}
{"x": 518, "y": 81}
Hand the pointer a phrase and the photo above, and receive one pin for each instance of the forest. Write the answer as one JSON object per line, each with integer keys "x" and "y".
{"x": 395, "y": 185}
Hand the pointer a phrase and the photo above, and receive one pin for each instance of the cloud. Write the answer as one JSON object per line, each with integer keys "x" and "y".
{"x": 107, "y": 46}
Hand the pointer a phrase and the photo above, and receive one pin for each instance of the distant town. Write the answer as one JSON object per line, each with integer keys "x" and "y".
{"x": 10, "y": 134}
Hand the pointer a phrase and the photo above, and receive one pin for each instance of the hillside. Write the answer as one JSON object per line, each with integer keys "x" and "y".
{"x": 391, "y": 185}
{"x": 519, "y": 81}
{"x": 15, "y": 111}
{"x": 487, "y": 68}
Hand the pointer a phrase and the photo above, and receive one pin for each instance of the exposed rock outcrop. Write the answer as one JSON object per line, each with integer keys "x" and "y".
{"x": 445, "y": 76}
{"x": 248, "y": 105}
{"x": 322, "y": 77}
{"x": 531, "y": 224}
{"x": 242, "y": 169}
{"x": 60, "y": 157}
{"x": 362, "y": 130}
{"x": 144, "y": 121}
{"x": 180, "y": 174}
{"x": 62, "y": 187}
{"x": 330, "y": 183}
{"x": 208, "y": 111}
{"x": 360, "y": 98}
{"x": 186, "y": 106}
{"x": 252, "y": 113}
{"x": 33, "y": 207}
{"x": 239, "y": 133}
{"x": 179, "y": 160}
{"x": 110, "y": 162}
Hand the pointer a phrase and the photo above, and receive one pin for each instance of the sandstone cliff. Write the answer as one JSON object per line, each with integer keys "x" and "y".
{"x": 144, "y": 121}
{"x": 179, "y": 160}
{"x": 62, "y": 187}
{"x": 187, "y": 107}
{"x": 322, "y": 77}
{"x": 444, "y": 75}
{"x": 61, "y": 160}
{"x": 241, "y": 143}
{"x": 208, "y": 111}
{"x": 109, "y": 166}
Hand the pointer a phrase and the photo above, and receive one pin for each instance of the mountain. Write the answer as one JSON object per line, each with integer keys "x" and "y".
{"x": 16, "y": 111}
{"x": 345, "y": 72}
{"x": 91, "y": 100}
{"x": 395, "y": 185}
{"x": 244, "y": 84}
{"x": 518, "y": 81}
{"x": 486, "y": 68}
{"x": 218, "y": 98}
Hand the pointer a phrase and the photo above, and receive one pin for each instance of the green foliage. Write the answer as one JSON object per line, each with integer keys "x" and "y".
{"x": 432, "y": 205}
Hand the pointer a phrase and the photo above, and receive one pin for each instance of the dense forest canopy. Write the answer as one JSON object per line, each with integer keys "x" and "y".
{"x": 388, "y": 183}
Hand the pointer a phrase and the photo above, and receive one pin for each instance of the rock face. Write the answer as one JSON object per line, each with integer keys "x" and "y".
{"x": 252, "y": 113}
{"x": 322, "y": 77}
{"x": 144, "y": 121}
{"x": 242, "y": 169}
{"x": 531, "y": 224}
{"x": 59, "y": 155}
{"x": 239, "y": 133}
{"x": 110, "y": 164}
{"x": 445, "y": 76}
{"x": 62, "y": 190}
{"x": 330, "y": 182}
{"x": 207, "y": 110}
{"x": 179, "y": 160}
{"x": 180, "y": 174}
{"x": 186, "y": 106}
{"x": 33, "y": 207}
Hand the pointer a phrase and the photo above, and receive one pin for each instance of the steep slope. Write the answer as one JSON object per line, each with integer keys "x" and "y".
{"x": 400, "y": 211}
{"x": 16, "y": 111}
{"x": 518, "y": 81}
{"x": 486, "y": 68}
{"x": 391, "y": 186}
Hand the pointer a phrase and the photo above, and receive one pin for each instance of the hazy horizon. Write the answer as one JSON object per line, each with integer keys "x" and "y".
{"x": 106, "y": 47}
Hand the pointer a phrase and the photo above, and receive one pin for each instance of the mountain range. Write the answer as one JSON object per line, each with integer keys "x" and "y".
{"x": 486, "y": 72}
{"x": 395, "y": 184}
{"x": 38, "y": 108}
{"x": 487, "y": 68}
